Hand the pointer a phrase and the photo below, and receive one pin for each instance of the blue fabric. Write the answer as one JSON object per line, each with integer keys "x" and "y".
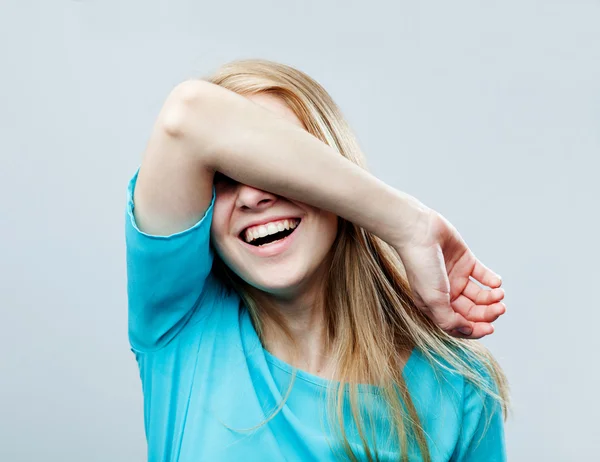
{"x": 204, "y": 372}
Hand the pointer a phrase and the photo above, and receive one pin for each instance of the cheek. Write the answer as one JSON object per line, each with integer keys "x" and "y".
{"x": 219, "y": 225}
{"x": 223, "y": 249}
{"x": 330, "y": 223}
{"x": 216, "y": 237}
{"x": 326, "y": 231}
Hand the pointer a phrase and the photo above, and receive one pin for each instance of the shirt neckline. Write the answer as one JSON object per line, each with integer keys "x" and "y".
{"x": 326, "y": 383}
{"x": 307, "y": 376}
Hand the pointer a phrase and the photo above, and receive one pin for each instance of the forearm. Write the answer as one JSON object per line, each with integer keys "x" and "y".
{"x": 254, "y": 146}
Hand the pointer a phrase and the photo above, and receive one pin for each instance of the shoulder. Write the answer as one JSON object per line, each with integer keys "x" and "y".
{"x": 214, "y": 322}
{"x": 481, "y": 412}
{"x": 470, "y": 395}
{"x": 458, "y": 407}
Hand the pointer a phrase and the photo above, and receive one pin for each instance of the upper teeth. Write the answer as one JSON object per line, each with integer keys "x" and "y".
{"x": 254, "y": 232}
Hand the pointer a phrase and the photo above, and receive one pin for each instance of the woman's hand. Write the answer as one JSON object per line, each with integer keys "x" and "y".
{"x": 438, "y": 265}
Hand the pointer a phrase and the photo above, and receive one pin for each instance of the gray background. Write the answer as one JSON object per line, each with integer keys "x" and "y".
{"x": 486, "y": 111}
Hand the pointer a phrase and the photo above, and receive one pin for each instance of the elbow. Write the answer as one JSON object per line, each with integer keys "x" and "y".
{"x": 192, "y": 90}
{"x": 185, "y": 106}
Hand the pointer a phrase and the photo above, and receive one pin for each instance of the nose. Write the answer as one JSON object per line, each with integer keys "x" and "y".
{"x": 250, "y": 198}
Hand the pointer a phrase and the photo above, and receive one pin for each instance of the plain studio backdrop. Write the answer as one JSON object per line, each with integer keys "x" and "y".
{"x": 487, "y": 112}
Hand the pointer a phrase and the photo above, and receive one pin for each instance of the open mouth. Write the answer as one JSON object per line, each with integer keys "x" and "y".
{"x": 270, "y": 238}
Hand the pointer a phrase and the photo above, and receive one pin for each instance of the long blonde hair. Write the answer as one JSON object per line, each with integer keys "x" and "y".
{"x": 371, "y": 316}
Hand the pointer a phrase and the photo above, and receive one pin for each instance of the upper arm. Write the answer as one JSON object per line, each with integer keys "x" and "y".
{"x": 174, "y": 185}
{"x": 167, "y": 232}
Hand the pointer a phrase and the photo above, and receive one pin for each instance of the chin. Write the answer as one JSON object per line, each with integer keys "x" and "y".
{"x": 287, "y": 278}
{"x": 277, "y": 282}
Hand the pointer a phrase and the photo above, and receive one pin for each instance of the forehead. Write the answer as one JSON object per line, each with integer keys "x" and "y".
{"x": 276, "y": 105}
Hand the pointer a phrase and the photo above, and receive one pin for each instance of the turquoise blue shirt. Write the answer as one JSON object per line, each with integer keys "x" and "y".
{"x": 205, "y": 373}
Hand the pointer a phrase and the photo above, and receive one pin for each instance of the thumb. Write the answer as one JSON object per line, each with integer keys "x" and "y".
{"x": 441, "y": 312}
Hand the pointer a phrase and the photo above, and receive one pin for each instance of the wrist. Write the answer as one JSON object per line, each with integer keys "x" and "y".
{"x": 414, "y": 222}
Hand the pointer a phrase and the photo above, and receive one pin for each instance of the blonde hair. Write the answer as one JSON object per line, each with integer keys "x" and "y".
{"x": 371, "y": 316}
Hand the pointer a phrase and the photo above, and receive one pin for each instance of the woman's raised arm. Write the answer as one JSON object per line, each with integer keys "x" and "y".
{"x": 226, "y": 132}
{"x": 252, "y": 145}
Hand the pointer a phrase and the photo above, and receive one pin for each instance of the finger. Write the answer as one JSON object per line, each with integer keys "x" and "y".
{"x": 480, "y": 330}
{"x": 481, "y": 296}
{"x": 485, "y": 275}
{"x": 477, "y": 313}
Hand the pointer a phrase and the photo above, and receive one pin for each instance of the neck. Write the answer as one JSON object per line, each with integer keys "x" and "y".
{"x": 303, "y": 315}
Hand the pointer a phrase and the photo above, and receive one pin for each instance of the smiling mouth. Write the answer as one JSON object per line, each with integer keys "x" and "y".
{"x": 270, "y": 238}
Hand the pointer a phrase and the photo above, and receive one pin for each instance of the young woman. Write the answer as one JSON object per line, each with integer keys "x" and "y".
{"x": 285, "y": 304}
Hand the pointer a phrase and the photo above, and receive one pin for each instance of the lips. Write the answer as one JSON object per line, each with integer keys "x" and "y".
{"x": 273, "y": 248}
{"x": 273, "y": 230}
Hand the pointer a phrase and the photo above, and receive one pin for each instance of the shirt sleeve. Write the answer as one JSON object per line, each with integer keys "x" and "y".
{"x": 166, "y": 277}
{"x": 482, "y": 431}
